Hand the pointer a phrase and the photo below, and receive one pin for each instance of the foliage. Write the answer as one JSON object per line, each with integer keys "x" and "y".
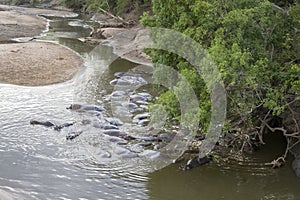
{"x": 114, "y": 6}
{"x": 255, "y": 47}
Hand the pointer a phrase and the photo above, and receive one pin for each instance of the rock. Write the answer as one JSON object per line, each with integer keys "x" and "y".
{"x": 110, "y": 32}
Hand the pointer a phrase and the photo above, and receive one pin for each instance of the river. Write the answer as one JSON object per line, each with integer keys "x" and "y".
{"x": 39, "y": 163}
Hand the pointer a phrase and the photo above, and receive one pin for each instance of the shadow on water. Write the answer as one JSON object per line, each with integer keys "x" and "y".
{"x": 245, "y": 179}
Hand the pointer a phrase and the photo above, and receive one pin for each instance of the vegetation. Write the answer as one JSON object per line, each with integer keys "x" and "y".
{"x": 256, "y": 46}
{"x": 118, "y": 7}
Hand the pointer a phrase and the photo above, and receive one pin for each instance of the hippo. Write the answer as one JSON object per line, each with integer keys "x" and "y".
{"x": 140, "y": 117}
{"x": 114, "y": 121}
{"x": 115, "y": 139}
{"x": 165, "y": 137}
{"x": 150, "y": 154}
{"x": 67, "y": 124}
{"x": 82, "y": 108}
{"x": 119, "y": 82}
{"x": 119, "y": 75}
{"x": 196, "y": 162}
{"x": 43, "y": 123}
{"x": 118, "y": 93}
{"x": 50, "y": 124}
{"x": 124, "y": 152}
{"x": 73, "y": 135}
{"x": 144, "y": 122}
{"x": 114, "y": 132}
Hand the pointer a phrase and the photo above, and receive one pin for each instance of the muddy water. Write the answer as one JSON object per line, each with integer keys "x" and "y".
{"x": 39, "y": 163}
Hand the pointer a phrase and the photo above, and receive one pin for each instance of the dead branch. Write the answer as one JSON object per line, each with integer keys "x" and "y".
{"x": 273, "y": 129}
{"x": 279, "y": 9}
{"x": 118, "y": 18}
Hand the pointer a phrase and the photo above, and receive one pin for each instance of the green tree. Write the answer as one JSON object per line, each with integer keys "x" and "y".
{"x": 255, "y": 44}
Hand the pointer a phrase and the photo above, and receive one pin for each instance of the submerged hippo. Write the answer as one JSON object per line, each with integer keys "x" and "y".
{"x": 81, "y": 108}
{"x": 197, "y": 162}
{"x": 50, "y": 124}
{"x": 43, "y": 123}
{"x": 114, "y": 132}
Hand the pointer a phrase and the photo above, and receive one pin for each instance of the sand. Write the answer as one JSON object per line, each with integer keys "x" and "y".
{"x": 32, "y": 63}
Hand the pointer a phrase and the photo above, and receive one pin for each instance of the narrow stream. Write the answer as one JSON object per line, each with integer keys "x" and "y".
{"x": 39, "y": 163}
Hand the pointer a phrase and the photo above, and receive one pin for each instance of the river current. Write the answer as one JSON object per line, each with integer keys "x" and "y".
{"x": 39, "y": 163}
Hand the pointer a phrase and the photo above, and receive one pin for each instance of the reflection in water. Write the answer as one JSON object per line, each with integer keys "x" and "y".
{"x": 210, "y": 183}
{"x": 248, "y": 179}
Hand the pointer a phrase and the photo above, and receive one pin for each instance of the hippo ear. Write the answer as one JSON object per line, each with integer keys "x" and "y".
{"x": 70, "y": 107}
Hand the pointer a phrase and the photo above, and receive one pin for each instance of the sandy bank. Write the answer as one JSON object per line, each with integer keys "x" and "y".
{"x": 33, "y": 63}
{"x": 14, "y": 25}
{"x": 37, "y": 63}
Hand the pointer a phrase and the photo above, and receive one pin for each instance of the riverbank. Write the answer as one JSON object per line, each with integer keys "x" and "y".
{"x": 33, "y": 63}
{"x": 37, "y": 63}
